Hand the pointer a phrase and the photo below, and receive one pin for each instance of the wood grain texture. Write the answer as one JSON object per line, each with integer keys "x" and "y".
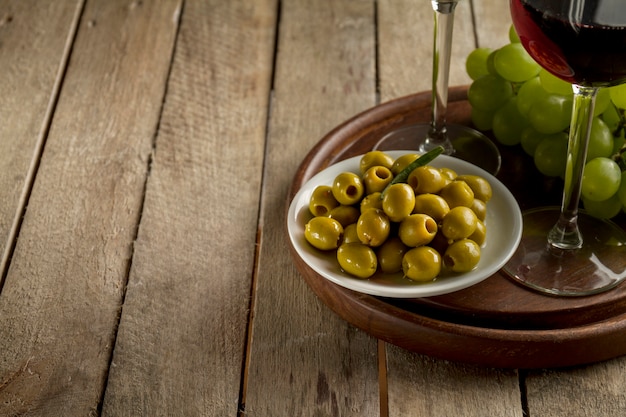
{"x": 405, "y": 46}
{"x": 304, "y": 360}
{"x": 596, "y": 390}
{"x": 34, "y": 45}
{"x": 423, "y": 386}
{"x": 181, "y": 343}
{"x": 60, "y": 303}
{"x": 416, "y": 384}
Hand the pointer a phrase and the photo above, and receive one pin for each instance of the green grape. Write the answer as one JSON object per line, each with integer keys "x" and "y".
{"x": 602, "y": 102}
{"x": 482, "y": 120}
{"x": 508, "y": 123}
{"x": 551, "y": 155}
{"x": 618, "y": 95}
{"x": 601, "y": 179}
{"x": 513, "y": 63}
{"x": 530, "y": 139}
{"x": 490, "y": 63}
{"x": 611, "y": 117}
{"x": 476, "y": 63}
{"x": 600, "y": 140}
{"x": 551, "y": 114}
{"x": 528, "y": 93}
{"x": 489, "y": 92}
{"x": 603, "y": 209}
{"x": 621, "y": 190}
{"x": 555, "y": 85}
{"x": 513, "y": 36}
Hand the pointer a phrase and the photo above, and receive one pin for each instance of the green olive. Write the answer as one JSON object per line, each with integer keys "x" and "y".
{"x": 421, "y": 264}
{"x": 322, "y": 200}
{"x": 462, "y": 256}
{"x": 432, "y": 204}
{"x": 402, "y": 162}
{"x": 417, "y": 230}
{"x": 323, "y": 233}
{"x": 459, "y": 223}
{"x": 350, "y": 235}
{"x": 398, "y": 201}
{"x": 449, "y": 173}
{"x": 374, "y": 158}
{"x": 371, "y": 201}
{"x": 348, "y": 188}
{"x": 344, "y": 214}
{"x": 376, "y": 179}
{"x": 357, "y": 259}
{"x": 427, "y": 179}
{"x": 373, "y": 227}
{"x": 479, "y": 185}
{"x": 457, "y": 193}
{"x": 480, "y": 234}
{"x": 390, "y": 255}
{"x": 479, "y": 207}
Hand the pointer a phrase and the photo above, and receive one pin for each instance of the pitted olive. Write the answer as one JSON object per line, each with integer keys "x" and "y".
{"x": 457, "y": 193}
{"x": 373, "y": 227}
{"x": 371, "y": 201}
{"x": 323, "y": 233}
{"x": 357, "y": 259}
{"x": 402, "y": 162}
{"x": 459, "y": 223}
{"x": 462, "y": 256}
{"x": 421, "y": 264}
{"x": 375, "y": 158}
{"x": 417, "y": 230}
{"x": 376, "y": 179}
{"x": 432, "y": 204}
{"x": 344, "y": 214}
{"x": 390, "y": 255}
{"x": 427, "y": 179}
{"x": 322, "y": 200}
{"x": 480, "y": 234}
{"x": 398, "y": 201}
{"x": 479, "y": 185}
{"x": 348, "y": 188}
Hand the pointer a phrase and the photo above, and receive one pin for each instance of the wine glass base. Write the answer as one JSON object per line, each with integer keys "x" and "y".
{"x": 598, "y": 266}
{"x": 466, "y": 144}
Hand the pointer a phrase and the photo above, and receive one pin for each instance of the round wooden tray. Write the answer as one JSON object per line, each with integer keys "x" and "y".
{"x": 495, "y": 323}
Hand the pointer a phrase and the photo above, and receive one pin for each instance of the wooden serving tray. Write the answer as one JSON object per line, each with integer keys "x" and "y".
{"x": 495, "y": 323}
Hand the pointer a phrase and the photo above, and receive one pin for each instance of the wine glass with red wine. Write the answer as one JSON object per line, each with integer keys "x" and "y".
{"x": 457, "y": 140}
{"x": 565, "y": 252}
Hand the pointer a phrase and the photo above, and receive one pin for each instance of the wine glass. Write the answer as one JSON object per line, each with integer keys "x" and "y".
{"x": 563, "y": 251}
{"x": 459, "y": 141}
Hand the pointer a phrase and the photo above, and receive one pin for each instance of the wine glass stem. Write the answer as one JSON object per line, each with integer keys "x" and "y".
{"x": 565, "y": 234}
{"x": 442, "y": 47}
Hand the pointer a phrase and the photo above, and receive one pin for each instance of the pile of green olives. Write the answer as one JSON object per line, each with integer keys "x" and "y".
{"x": 432, "y": 224}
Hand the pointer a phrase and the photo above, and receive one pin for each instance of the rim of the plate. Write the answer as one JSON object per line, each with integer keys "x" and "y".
{"x": 502, "y": 197}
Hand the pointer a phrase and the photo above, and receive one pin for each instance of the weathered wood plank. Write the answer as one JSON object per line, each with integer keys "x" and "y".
{"x": 60, "y": 303}
{"x": 423, "y": 386}
{"x": 419, "y": 385}
{"x": 596, "y": 390}
{"x": 35, "y": 38}
{"x": 406, "y": 46}
{"x": 304, "y": 360}
{"x": 181, "y": 343}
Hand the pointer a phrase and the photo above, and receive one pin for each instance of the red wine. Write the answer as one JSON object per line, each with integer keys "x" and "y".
{"x": 580, "y": 41}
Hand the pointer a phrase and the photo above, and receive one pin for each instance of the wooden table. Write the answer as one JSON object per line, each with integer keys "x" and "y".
{"x": 146, "y": 152}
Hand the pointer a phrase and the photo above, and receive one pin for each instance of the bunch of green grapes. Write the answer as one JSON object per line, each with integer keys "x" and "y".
{"x": 523, "y": 104}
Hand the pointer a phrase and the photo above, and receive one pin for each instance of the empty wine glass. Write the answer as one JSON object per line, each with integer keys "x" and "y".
{"x": 459, "y": 141}
{"x": 564, "y": 251}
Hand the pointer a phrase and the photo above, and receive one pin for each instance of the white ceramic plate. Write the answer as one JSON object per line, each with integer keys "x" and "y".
{"x": 504, "y": 231}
